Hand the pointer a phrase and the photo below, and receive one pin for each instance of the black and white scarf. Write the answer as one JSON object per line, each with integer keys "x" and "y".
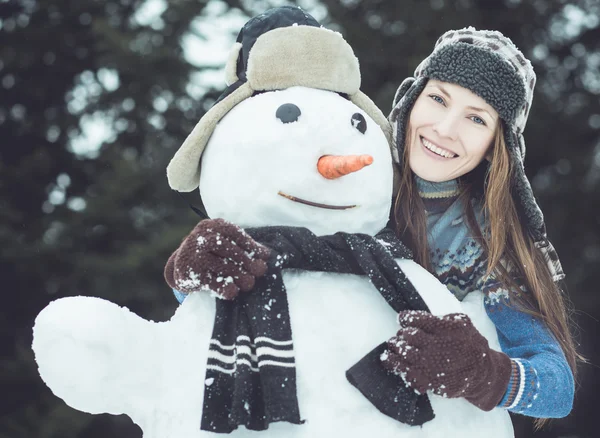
{"x": 251, "y": 375}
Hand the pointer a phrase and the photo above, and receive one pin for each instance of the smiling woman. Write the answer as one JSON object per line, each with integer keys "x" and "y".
{"x": 466, "y": 209}
{"x": 451, "y": 131}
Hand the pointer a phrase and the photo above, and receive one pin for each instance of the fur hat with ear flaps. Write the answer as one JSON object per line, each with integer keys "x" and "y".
{"x": 491, "y": 66}
{"x": 281, "y": 48}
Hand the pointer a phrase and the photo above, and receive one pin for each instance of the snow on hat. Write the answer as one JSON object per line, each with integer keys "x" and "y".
{"x": 491, "y": 66}
{"x": 281, "y": 48}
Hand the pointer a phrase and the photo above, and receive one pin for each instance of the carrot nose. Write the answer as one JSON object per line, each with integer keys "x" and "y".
{"x": 335, "y": 166}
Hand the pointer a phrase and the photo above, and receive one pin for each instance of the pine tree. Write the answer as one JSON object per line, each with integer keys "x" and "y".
{"x": 82, "y": 215}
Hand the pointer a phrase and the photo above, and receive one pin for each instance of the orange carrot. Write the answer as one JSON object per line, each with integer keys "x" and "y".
{"x": 335, "y": 166}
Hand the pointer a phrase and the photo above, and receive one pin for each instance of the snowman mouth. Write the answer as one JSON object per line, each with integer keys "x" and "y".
{"x": 315, "y": 204}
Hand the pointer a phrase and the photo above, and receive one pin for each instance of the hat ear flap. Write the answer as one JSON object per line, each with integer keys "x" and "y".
{"x": 523, "y": 193}
{"x": 183, "y": 171}
{"x": 231, "y": 66}
{"x": 404, "y": 100}
{"x": 402, "y": 89}
{"x": 528, "y": 207}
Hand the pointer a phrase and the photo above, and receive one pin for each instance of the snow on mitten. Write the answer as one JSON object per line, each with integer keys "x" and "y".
{"x": 218, "y": 256}
{"x": 448, "y": 356}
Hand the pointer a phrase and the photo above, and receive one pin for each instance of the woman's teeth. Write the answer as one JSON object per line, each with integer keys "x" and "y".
{"x": 439, "y": 151}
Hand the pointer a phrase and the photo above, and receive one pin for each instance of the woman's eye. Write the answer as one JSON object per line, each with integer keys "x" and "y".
{"x": 478, "y": 120}
{"x": 438, "y": 99}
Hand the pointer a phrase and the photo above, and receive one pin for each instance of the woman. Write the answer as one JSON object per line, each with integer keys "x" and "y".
{"x": 465, "y": 208}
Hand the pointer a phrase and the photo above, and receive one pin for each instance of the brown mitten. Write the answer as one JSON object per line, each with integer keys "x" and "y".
{"x": 448, "y": 356}
{"x": 218, "y": 256}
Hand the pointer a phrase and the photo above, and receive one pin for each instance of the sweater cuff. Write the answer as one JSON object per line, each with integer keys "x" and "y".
{"x": 522, "y": 387}
{"x": 179, "y": 296}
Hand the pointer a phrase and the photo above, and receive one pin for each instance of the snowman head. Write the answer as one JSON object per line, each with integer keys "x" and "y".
{"x": 284, "y": 56}
{"x": 260, "y": 165}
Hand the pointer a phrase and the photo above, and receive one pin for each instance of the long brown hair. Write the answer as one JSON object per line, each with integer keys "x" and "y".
{"x": 506, "y": 242}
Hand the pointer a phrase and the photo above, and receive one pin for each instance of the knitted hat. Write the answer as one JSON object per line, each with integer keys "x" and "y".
{"x": 281, "y": 48}
{"x": 491, "y": 66}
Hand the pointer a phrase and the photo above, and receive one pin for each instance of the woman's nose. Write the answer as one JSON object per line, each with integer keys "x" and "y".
{"x": 447, "y": 126}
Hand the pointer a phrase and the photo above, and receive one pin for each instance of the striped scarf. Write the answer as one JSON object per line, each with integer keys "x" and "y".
{"x": 251, "y": 375}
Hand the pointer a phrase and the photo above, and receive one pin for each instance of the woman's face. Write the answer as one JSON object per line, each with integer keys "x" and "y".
{"x": 451, "y": 131}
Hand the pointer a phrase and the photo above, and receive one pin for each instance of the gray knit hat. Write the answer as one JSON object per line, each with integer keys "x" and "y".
{"x": 491, "y": 66}
{"x": 281, "y": 48}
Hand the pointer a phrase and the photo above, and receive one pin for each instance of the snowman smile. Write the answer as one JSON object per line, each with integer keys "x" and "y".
{"x": 315, "y": 204}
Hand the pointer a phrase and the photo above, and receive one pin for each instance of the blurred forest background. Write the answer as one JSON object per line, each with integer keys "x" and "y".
{"x": 96, "y": 96}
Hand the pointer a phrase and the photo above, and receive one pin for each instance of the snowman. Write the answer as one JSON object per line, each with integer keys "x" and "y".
{"x": 261, "y": 147}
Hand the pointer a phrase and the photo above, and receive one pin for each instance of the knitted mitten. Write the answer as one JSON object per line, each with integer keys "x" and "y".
{"x": 448, "y": 356}
{"x": 217, "y": 256}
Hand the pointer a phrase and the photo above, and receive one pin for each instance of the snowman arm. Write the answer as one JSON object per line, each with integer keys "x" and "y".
{"x": 300, "y": 248}
{"x": 542, "y": 383}
{"x": 324, "y": 252}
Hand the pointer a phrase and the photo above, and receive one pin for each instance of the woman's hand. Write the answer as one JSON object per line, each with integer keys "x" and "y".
{"x": 448, "y": 356}
{"x": 217, "y": 256}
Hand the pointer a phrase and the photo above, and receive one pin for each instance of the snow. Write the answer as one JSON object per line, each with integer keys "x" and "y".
{"x": 99, "y": 357}
{"x": 252, "y": 156}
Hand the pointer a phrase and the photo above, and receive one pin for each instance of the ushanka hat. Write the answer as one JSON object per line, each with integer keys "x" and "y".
{"x": 281, "y": 48}
{"x": 491, "y": 66}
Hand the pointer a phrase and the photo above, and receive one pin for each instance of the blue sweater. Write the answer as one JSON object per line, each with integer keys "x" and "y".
{"x": 542, "y": 383}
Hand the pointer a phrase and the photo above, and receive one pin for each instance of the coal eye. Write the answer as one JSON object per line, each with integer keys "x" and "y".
{"x": 359, "y": 122}
{"x": 288, "y": 113}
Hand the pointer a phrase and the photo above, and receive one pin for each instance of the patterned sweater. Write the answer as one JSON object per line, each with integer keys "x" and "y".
{"x": 542, "y": 383}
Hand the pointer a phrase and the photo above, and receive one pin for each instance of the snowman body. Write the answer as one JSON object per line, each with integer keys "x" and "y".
{"x": 252, "y": 160}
